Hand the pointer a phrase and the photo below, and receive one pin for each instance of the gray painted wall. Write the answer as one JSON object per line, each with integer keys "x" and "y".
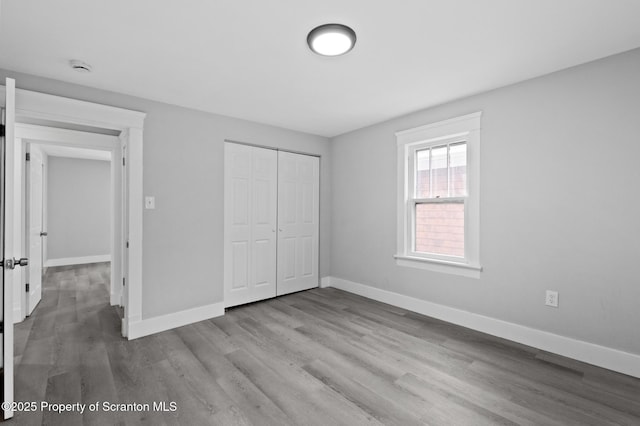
{"x": 559, "y": 205}
{"x": 183, "y": 168}
{"x": 79, "y": 207}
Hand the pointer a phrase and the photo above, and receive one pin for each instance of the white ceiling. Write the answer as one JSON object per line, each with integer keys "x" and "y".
{"x": 249, "y": 59}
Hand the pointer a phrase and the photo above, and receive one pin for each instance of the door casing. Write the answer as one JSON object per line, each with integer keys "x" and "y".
{"x": 32, "y": 106}
{"x": 10, "y": 239}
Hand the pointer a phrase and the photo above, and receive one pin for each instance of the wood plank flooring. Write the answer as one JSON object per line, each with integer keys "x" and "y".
{"x": 320, "y": 357}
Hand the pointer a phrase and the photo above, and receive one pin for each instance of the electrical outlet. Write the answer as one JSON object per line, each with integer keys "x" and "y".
{"x": 150, "y": 203}
{"x": 551, "y": 298}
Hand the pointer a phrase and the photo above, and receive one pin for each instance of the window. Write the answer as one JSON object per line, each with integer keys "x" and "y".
{"x": 438, "y": 208}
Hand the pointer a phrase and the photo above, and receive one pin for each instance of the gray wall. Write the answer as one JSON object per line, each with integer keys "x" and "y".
{"x": 78, "y": 207}
{"x": 559, "y": 205}
{"x": 183, "y": 168}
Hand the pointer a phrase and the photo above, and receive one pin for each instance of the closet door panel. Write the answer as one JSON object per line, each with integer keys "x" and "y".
{"x": 250, "y": 202}
{"x": 265, "y": 196}
{"x": 298, "y": 222}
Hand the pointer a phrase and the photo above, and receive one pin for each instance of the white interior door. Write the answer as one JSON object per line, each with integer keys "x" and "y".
{"x": 35, "y": 167}
{"x": 250, "y": 211}
{"x": 8, "y": 238}
{"x": 125, "y": 223}
{"x": 298, "y": 222}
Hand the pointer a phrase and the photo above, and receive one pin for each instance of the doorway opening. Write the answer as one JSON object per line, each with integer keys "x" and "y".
{"x": 69, "y": 122}
{"x": 72, "y": 207}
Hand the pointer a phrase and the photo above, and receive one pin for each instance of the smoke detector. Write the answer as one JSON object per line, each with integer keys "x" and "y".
{"x": 80, "y": 66}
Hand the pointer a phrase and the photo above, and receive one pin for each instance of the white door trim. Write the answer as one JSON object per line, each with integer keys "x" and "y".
{"x": 12, "y": 241}
{"x": 36, "y": 105}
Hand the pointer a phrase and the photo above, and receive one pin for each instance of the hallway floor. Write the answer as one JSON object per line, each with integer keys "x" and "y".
{"x": 61, "y": 349}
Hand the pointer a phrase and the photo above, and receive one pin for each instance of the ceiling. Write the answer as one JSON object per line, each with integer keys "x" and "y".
{"x": 249, "y": 59}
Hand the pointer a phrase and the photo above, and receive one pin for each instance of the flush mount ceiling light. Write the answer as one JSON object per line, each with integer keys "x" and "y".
{"x": 331, "y": 39}
{"x": 79, "y": 66}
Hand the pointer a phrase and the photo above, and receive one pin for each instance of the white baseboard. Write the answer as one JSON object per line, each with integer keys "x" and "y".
{"x": 17, "y": 315}
{"x": 154, "y": 325}
{"x": 325, "y": 282}
{"x": 601, "y": 356}
{"x": 115, "y": 299}
{"x": 77, "y": 260}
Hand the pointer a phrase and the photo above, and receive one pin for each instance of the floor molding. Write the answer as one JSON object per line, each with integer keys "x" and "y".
{"x": 154, "y": 325}
{"x": 17, "y": 315}
{"x": 325, "y": 282}
{"x": 64, "y": 261}
{"x": 601, "y": 356}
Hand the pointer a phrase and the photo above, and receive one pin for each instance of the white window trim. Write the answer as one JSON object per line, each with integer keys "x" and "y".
{"x": 466, "y": 127}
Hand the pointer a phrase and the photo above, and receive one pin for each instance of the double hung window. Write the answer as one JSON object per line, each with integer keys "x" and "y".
{"x": 438, "y": 200}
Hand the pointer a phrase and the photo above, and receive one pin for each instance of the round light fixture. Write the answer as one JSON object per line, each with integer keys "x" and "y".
{"x": 80, "y": 66}
{"x": 331, "y": 39}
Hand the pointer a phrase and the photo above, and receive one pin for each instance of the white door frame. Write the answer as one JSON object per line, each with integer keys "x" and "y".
{"x": 12, "y": 241}
{"x": 40, "y": 106}
{"x": 43, "y": 136}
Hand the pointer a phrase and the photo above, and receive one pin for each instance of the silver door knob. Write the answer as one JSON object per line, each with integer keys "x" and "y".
{"x": 12, "y": 263}
{"x": 23, "y": 261}
{"x": 43, "y": 234}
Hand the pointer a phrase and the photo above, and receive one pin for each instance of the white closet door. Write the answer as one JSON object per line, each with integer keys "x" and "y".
{"x": 250, "y": 206}
{"x": 298, "y": 222}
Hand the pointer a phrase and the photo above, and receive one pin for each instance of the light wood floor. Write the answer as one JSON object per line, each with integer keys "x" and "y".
{"x": 320, "y": 357}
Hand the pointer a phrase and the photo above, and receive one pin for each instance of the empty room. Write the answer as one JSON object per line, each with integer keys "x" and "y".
{"x": 320, "y": 213}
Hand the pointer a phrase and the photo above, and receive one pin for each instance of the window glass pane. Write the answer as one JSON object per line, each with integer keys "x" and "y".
{"x": 458, "y": 169}
{"x": 439, "y": 172}
{"x": 422, "y": 174}
{"x": 440, "y": 229}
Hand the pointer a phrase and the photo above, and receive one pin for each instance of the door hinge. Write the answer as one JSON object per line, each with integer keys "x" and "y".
{"x": 123, "y": 161}
{"x": 123, "y": 281}
{"x": 127, "y": 244}
{"x": 26, "y": 287}
{"x": 1, "y": 130}
{"x": 2, "y": 323}
{"x": 28, "y": 156}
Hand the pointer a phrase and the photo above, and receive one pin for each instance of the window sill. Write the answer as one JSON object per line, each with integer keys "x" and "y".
{"x": 462, "y": 269}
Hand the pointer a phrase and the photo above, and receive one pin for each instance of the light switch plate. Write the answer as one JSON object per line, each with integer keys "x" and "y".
{"x": 149, "y": 203}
